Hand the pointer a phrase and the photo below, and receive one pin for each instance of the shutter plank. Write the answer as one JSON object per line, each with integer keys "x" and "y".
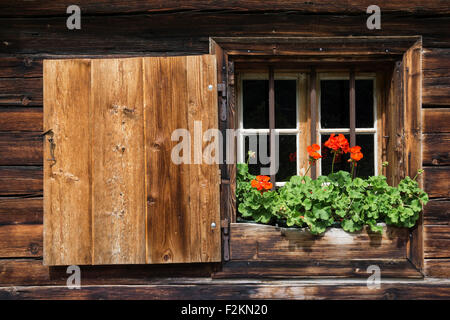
{"x": 205, "y": 191}
{"x": 67, "y": 212}
{"x": 118, "y": 184}
{"x": 179, "y": 209}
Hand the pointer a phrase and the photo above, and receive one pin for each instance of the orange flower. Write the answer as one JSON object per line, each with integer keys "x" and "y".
{"x": 337, "y": 143}
{"x": 312, "y": 151}
{"x": 261, "y": 183}
{"x": 355, "y": 153}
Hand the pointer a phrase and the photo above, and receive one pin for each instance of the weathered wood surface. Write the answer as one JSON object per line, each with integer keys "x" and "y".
{"x": 437, "y": 241}
{"x": 437, "y": 212}
{"x": 68, "y": 220}
{"x": 276, "y": 269}
{"x": 174, "y": 32}
{"x": 43, "y": 8}
{"x": 436, "y": 120}
{"x": 21, "y": 119}
{"x": 24, "y": 148}
{"x": 436, "y": 149}
{"x": 180, "y": 209}
{"x": 195, "y": 289}
{"x": 437, "y": 181}
{"x": 22, "y": 240}
{"x": 32, "y": 272}
{"x": 21, "y": 211}
{"x": 436, "y": 76}
{"x": 21, "y": 91}
{"x": 437, "y": 268}
{"x": 118, "y": 165}
{"x": 263, "y": 242}
{"x": 16, "y": 180}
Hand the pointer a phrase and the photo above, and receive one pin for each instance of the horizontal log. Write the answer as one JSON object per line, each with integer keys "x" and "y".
{"x": 21, "y": 91}
{"x": 32, "y": 272}
{"x": 437, "y": 212}
{"x": 24, "y": 240}
{"x": 249, "y": 241}
{"x": 21, "y": 119}
{"x": 315, "y": 269}
{"x": 436, "y": 76}
{"x": 238, "y": 289}
{"x": 174, "y": 32}
{"x": 21, "y": 180}
{"x": 436, "y": 149}
{"x": 437, "y": 241}
{"x": 437, "y": 268}
{"x": 436, "y": 120}
{"x": 436, "y": 181}
{"x": 20, "y": 66}
{"x": 24, "y": 148}
{"x": 21, "y": 211}
{"x": 37, "y": 8}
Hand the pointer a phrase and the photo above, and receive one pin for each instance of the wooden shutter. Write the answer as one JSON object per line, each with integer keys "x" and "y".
{"x": 112, "y": 195}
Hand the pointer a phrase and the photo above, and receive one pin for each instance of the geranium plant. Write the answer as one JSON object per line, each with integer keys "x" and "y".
{"x": 337, "y": 199}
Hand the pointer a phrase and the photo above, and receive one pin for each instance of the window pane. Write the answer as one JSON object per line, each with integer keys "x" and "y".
{"x": 285, "y": 104}
{"x": 287, "y": 157}
{"x": 364, "y": 103}
{"x": 365, "y": 167}
{"x": 253, "y": 143}
{"x": 334, "y": 104}
{"x": 341, "y": 161}
{"x": 255, "y": 99}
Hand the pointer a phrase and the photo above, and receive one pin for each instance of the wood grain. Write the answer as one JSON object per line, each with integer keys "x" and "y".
{"x": 16, "y": 180}
{"x": 172, "y": 197}
{"x": 24, "y": 8}
{"x": 437, "y": 268}
{"x": 67, "y": 193}
{"x": 436, "y": 76}
{"x": 118, "y": 189}
{"x": 23, "y": 148}
{"x": 437, "y": 212}
{"x": 237, "y": 289}
{"x": 437, "y": 241}
{"x": 21, "y": 211}
{"x": 436, "y": 120}
{"x": 436, "y": 149}
{"x": 263, "y": 242}
{"x": 436, "y": 182}
{"x": 21, "y": 91}
{"x": 21, "y": 119}
{"x": 22, "y": 240}
{"x": 278, "y": 269}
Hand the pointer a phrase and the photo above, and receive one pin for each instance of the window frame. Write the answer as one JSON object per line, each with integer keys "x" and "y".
{"x": 402, "y": 87}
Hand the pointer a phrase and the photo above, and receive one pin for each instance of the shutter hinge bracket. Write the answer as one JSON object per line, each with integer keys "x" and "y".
{"x": 222, "y": 91}
{"x": 225, "y": 226}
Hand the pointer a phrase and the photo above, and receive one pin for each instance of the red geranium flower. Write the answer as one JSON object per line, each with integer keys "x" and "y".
{"x": 292, "y": 156}
{"x": 261, "y": 183}
{"x": 355, "y": 153}
{"x": 337, "y": 143}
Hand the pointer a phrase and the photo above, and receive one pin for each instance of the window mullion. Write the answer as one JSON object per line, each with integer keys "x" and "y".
{"x": 313, "y": 111}
{"x": 352, "y": 106}
{"x": 272, "y": 123}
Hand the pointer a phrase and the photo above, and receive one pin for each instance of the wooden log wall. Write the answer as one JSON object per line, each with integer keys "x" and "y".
{"x": 33, "y": 31}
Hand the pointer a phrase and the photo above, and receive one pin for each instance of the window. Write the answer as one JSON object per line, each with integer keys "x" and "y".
{"x": 334, "y": 117}
{"x": 290, "y": 116}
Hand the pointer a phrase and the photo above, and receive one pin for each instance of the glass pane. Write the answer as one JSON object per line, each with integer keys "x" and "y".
{"x": 365, "y": 167}
{"x": 334, "y": 104}
{"x": 255, "y": 100}
{"x": 285, "y": 104}
{"x": 364, "y": 103}
{"x": 253, "y": 143}
{"x": 341, "y": 161}
{"x": 287, "y": 157}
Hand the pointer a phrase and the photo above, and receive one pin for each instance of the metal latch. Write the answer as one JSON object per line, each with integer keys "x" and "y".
{"x": 226, "y": 239}
{"x": 222, "y": 90}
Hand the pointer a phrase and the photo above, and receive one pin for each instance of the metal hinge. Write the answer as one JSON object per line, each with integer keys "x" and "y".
{"x": 225, "y": 224}
{"x": 222, "y": 91}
